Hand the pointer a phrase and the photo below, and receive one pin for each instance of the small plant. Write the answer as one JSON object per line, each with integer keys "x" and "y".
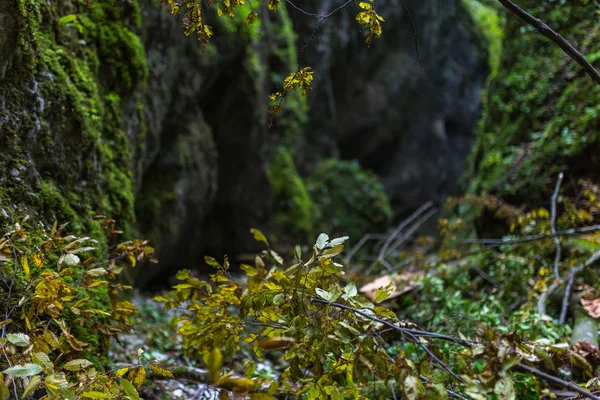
{"x": 334, "y": 342}
{"x": 61, "y": 307}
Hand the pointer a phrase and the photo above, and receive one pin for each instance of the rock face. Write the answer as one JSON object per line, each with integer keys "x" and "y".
{"x": 110, "y": 109}
{"x": 413, "y": 127}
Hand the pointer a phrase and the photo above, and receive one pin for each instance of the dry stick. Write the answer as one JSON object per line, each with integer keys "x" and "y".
{"x": 361, "y": 243}
{"x": 466, "y": 343}
{"x": 533, "y": 238}
{"x": 574, "y": 271}
{"x": 383, "y": 251}
{"x": 553, "y": 226}
{"x": 413, "y": 229}
{"x": 555, "y": 37}
{"x": 414, "y": 33}
{"x": 541, "y": 305}
{"x": 561, "y": 382}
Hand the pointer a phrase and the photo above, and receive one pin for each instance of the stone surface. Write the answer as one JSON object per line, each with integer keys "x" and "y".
{"x": 413, "y": 127}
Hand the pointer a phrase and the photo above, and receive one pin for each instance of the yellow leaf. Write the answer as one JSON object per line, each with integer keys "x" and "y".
{"x": 137, "y": 376}
{"x": 259, "y": 236}
{"x": 364, "y": 6}
{"x": 160, "y": 371}
{"x": 25, "y": 265}
{"x": 276, "y": 343}
{"x": 214, "y": 363}
{"x": 121, "y": 372}
{"x": 237, "y": 385}
{"x": 33, "y": 384}
{"x": 38, "y": 261}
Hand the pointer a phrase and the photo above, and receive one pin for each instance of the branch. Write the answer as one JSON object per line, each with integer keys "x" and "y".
{"x": 466, "y": 343}
{"x": 383, "y": 251}
{"x": 555, "y": 37}
{"x": 533, "y": 238}
{"x": 553, "y": 226}
{"x": 574, "y": 271}
{"x": 561, "y": 382}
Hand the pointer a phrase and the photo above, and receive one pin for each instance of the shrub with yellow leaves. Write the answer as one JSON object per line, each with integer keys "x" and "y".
{"x": 61, "y": 306}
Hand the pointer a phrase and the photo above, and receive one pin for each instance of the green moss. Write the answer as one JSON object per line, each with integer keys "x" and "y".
{"x": 488, "y": 22}
{"x": 295, "y": 212}
{"x": 75, "y": 112}
{"x": 66, "y": 155}
{"x": 351, "y": 200}
{"x": 541, "y": 114}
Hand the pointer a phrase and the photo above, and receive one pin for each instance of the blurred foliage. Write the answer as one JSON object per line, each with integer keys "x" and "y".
{"x": 538, "y": 115}
{"x": 352, "y": 201}
{"x": 334, "y": 343}
{"x": 337, "y": 194}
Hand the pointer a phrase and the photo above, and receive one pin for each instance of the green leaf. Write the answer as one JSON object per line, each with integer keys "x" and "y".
{"x": 278, "y": 298}
{"x": 29, "y": 369}
{"x": 129, "y": 389}
{"x": 325, "y": 295}
{"x": 18, "y": 339}
{"x": 338, "y": 241}
{"x": 43, "y": 360}
{"x": 383, "y": 293}
{"x": 413, "y": 389}
{"x": 333, "y": 251}
{"x": 258, "y": 235}
{"x": 505, "y": 388}
{"x": 322, "y": 241}
{"x": 67, "y": 18}
{"x": 33, "y": 384}
{"x": 351, "y": 290}
{"x": 77, "y": 365}
{"x": 298, "y": 252}
{"x": 4, "y": 392}
{"x": 183, "y": 274}
{"x": 277, "y": 257}
{"x": 96, "y": 395}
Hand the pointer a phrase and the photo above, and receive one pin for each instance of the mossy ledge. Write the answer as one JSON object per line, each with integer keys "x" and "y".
{"x": 65, "y": 77}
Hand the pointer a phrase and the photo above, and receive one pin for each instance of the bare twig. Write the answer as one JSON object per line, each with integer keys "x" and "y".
{"x": 398, "y": 230}
{"x": 553, "y": 226}
{"x": 541, "y": 304}
{"x": 554, "y": 379}
{"x": 414, "y": 33}
{"x": 466, "y": 343}
{"x": 554, "y": 37}
{"x": 412, "y": 230}
{"x": 574, "y": 271}
{"x": 533, "y": 238}
{"x": 361, "y": 243}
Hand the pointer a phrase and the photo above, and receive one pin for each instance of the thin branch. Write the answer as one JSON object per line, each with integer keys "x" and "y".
{"x": 574, "y": 271}
{"x": 413, "y": 229}
{"x": 414, "y": 33}
{"x": 533, "y": 238}
{"x": 361, "y": 243}
{"x": 541, "y": 304}
{"x": 561, "y": 382}
{"x": 383, "y": 251}
{"x": 409, "y": 332}
{"x": 555, "y": 37}
{"x": 553, "y": 226}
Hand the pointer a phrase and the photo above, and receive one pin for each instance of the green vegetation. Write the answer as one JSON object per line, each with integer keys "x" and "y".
{"x": 82, "y": 60}
{"x": 538, "y": 117}
{"x": 514, "y": 317}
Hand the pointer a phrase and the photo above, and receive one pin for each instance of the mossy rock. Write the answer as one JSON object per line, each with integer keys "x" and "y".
{"x": 541, "y": 111}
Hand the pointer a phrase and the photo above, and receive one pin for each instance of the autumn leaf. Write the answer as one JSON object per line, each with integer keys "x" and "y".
{"x": 591, "y": 304}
